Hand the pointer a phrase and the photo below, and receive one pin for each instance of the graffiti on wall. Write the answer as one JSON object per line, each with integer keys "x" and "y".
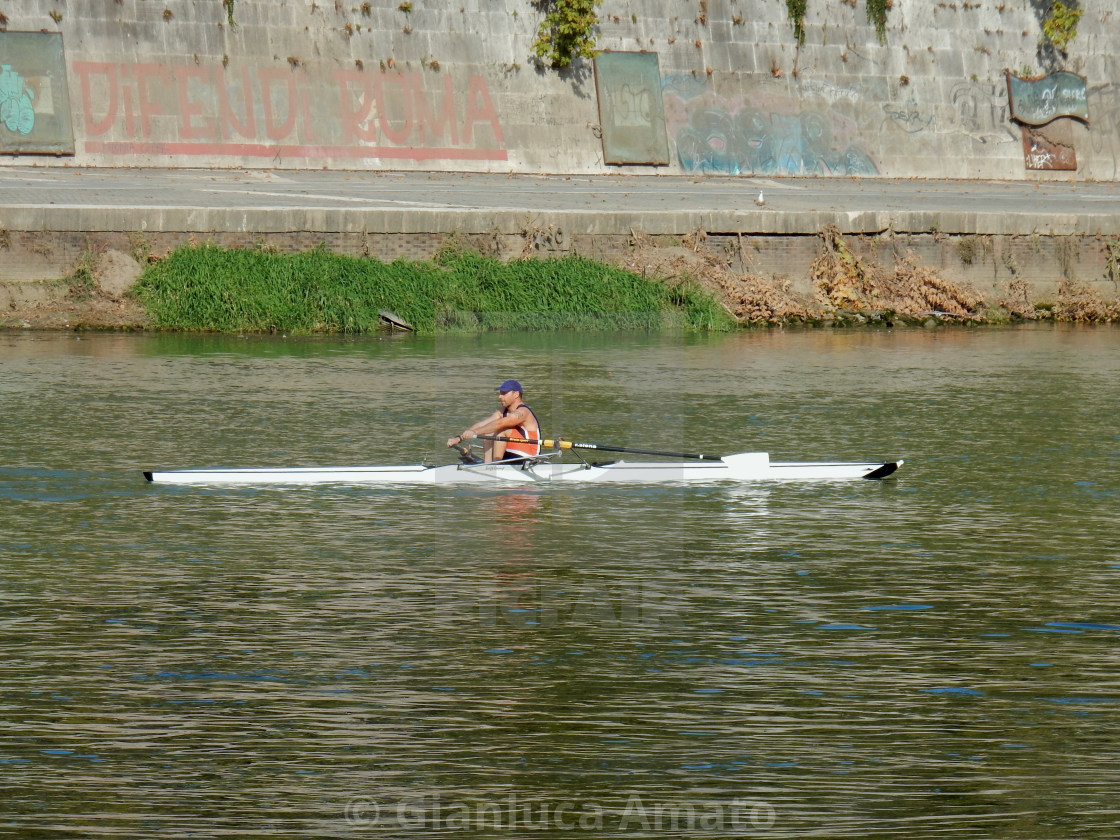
{"x": 767, "y": 135}
{"x": 16, "y": 109}
{"x": 1037, "y": 105}
{"x": 629, "y": 92}
{"x": 34, "y": 101}
{"x": 981, "y": 111}
{"x": 1038, "y": 101}
{"x": 1049, "y": 147}
{"x": 1104, "y": 139}
{"x": 282, "y": 112}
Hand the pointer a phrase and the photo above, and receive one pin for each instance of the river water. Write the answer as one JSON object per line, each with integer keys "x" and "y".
{"x": 930, "y": 656}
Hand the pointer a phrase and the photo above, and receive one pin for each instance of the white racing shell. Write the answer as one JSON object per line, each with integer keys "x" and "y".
{"x": 747, "y": 466}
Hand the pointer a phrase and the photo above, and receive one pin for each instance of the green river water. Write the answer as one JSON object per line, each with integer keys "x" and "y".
{"x": 930, "y": 656}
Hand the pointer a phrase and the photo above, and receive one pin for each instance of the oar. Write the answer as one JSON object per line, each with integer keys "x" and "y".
{"x": 570, "y": 444}
{"x": 465, "y": 454}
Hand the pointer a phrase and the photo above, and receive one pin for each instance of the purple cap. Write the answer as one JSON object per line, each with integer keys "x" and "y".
{"x": 511, "y": 385}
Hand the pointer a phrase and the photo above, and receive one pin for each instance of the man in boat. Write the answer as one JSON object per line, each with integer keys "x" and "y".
{"x": 513, "y": 420}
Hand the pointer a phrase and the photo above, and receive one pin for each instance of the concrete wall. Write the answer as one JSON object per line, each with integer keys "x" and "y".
{"x": 34, "y": 263}
{"x": 450, "y": 85}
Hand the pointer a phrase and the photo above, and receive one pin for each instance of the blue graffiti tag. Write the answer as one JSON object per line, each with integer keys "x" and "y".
{"x": 754, "y": 141}
{"x": 16, "y": 111}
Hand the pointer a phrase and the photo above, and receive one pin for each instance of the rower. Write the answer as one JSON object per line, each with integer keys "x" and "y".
{"x": 512, "y": 419}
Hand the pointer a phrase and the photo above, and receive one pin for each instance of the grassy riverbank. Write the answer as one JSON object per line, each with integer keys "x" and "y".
{"x": 211, "y": 289}
{"x": 214, "y": 289}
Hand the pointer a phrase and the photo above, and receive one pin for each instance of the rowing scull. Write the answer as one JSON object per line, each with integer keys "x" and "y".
{"x": 743, "y": 467}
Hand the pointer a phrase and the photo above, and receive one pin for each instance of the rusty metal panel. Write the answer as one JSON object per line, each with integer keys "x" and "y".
{"x": 34, "y": 98}
{"x": 628, "y": 85}
{"x": 1050, "y": 147}
{"x": 1039, "y": 101}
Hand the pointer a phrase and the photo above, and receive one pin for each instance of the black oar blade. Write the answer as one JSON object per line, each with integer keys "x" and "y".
{"x": 888, "y": 468}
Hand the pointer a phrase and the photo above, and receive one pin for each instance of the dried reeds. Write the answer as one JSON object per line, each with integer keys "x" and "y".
{"x": 906, "y": 288}
{"x": 1079, "y": 303}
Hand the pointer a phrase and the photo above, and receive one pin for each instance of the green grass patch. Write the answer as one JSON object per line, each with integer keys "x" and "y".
{"x": 215, "y": 289}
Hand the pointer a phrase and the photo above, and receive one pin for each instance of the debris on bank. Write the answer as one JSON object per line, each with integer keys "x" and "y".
{"x": 850, "y": 291}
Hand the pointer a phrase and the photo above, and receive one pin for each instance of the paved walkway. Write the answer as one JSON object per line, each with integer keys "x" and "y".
{"x": 68, "y": 199}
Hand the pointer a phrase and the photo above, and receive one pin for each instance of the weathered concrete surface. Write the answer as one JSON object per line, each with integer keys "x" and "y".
{"x": 443, "y": 86}
{"x": 986, "y": 233}
{"x": 25, "y": 295}
{"x": 322, "y": 201}
{"x": 115, "y": 273}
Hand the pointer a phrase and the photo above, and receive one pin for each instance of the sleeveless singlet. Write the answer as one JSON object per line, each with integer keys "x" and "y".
{"x": 519, "y": 449}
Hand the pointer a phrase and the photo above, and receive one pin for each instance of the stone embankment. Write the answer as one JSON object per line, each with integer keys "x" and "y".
{"x": 715, "y": 98}
{"x": 1019, "y": 248}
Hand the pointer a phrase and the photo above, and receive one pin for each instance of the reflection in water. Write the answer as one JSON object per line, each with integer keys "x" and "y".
{"x": 929, "y": 656}
{"x": 514, "y": 517}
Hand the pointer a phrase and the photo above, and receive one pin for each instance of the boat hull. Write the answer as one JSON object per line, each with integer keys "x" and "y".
{"x": 749, "y": 466}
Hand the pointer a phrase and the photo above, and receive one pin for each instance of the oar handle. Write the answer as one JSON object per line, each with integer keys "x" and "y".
{"x": 560, "y": 443}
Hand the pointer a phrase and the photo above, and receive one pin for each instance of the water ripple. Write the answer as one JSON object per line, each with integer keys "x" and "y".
{"x": 929, "y": 656}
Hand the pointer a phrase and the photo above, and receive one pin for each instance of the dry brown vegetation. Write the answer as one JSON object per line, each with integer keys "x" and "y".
{"x": 750, "y": 298}
{"x": 1077, "y": 302}
{"x": 848, "y": 288}
{"x": 905, "y": 288}
{"x": 844, "y": 285}
{"x": 1017, "y": 299}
